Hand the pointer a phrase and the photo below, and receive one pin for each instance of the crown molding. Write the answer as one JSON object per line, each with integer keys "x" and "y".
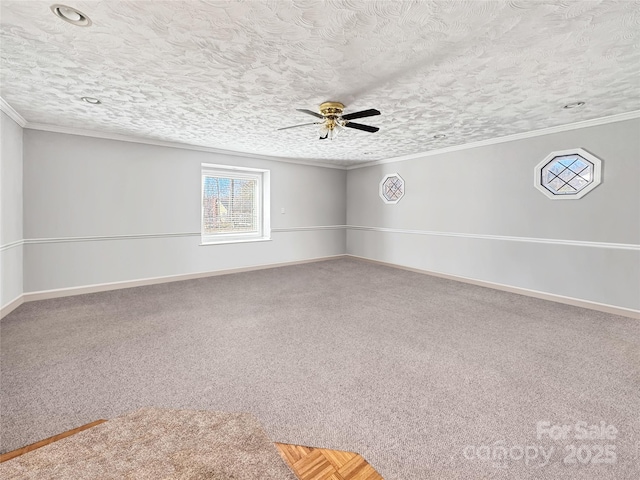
{"x": 508, "y": 138}
{"x": 12, "y": 113}
{"x": 20, "y": 120}
{"x": 45, "y": 127}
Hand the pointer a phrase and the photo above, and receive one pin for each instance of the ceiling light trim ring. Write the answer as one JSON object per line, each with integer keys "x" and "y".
{"x": 91, "y": 100}
{"x": 574, "y": 105}
{"x": 71, "y": 15}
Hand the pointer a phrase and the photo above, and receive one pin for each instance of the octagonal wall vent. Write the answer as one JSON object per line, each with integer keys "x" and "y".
{"x": 392, "y": 188}
{"x": 568, "y": 174}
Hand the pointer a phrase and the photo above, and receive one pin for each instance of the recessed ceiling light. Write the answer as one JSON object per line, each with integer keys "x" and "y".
{"x": 439, "y": 136}
{"x": 91, "y": 100}
{"x": 71, "y": 15}
{"x": 573, "y": 105}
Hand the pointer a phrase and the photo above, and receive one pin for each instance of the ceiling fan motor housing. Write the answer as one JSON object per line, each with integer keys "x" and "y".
{"x": 331, "y": 109}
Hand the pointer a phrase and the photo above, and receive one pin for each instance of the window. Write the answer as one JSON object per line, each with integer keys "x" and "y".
{"x": 392, "y": 188}
{"x": 235, "y": 204}
{"x": 568, "y": 174}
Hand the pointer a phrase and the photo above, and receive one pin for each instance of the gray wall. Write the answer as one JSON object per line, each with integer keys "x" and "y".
{"x": 11, "y": 249}
{"x": 77, "y": 187}
{"x": 489, "y": 191}
{"x": 81, "y": 187}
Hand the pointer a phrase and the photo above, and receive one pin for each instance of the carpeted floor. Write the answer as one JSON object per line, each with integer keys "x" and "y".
{"x": 426, "y": 378}
{"x": 155, "y": 443}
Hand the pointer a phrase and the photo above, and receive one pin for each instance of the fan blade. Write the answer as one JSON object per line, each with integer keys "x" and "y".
{"x": 364, "y": 113}
{"x": 359, "y": 126}
{"x": 301, "y": 125}
{"x": 304, "y": 110}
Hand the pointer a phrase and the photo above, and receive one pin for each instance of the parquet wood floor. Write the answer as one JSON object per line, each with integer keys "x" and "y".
{"x": 310, "y": 463}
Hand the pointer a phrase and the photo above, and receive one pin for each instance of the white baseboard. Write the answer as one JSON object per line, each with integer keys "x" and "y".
{"x": 104, "y": 287}
{"x": 11, "y": 306}
{"x": 576, "y": 302}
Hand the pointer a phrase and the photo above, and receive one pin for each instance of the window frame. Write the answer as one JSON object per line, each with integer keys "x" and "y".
{"x": 538, "y": 181}
{"x": 381, "y": 189}
{"x": 263, "y": 207}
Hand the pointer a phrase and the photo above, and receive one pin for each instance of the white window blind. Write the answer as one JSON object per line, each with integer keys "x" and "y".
{"x": 234, "y": 204}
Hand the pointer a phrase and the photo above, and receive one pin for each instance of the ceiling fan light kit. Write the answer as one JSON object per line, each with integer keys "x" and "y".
{"x": 334, "y": 122}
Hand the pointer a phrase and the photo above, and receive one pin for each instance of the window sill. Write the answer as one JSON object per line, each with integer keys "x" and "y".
{"x": 237, "y": 240}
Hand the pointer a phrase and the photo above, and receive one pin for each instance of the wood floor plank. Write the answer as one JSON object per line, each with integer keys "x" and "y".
{"x": 313, "y": 467}
{"x": 356, "y": 469}
{"x": 324, "y": 464}
{"x": 289, "y": 452}
{"x": 366, "y": 473}
{"x": 303, "y": 451}
{"x": 338, "y": 457}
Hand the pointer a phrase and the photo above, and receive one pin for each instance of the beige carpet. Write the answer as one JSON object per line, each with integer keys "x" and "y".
{"x": 154, "y": 443}
{"x": 406, "y": 369}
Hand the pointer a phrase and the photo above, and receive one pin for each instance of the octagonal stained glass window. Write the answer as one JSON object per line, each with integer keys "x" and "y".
{"x": 568, "y": 174}
{"x": 392, "y": 188}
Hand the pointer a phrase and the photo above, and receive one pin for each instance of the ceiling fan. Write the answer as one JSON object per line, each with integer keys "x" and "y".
{"x": 333, "y": 121}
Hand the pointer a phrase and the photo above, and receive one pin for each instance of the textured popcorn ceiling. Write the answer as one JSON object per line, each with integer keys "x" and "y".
{"x": 227, "y": 74}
